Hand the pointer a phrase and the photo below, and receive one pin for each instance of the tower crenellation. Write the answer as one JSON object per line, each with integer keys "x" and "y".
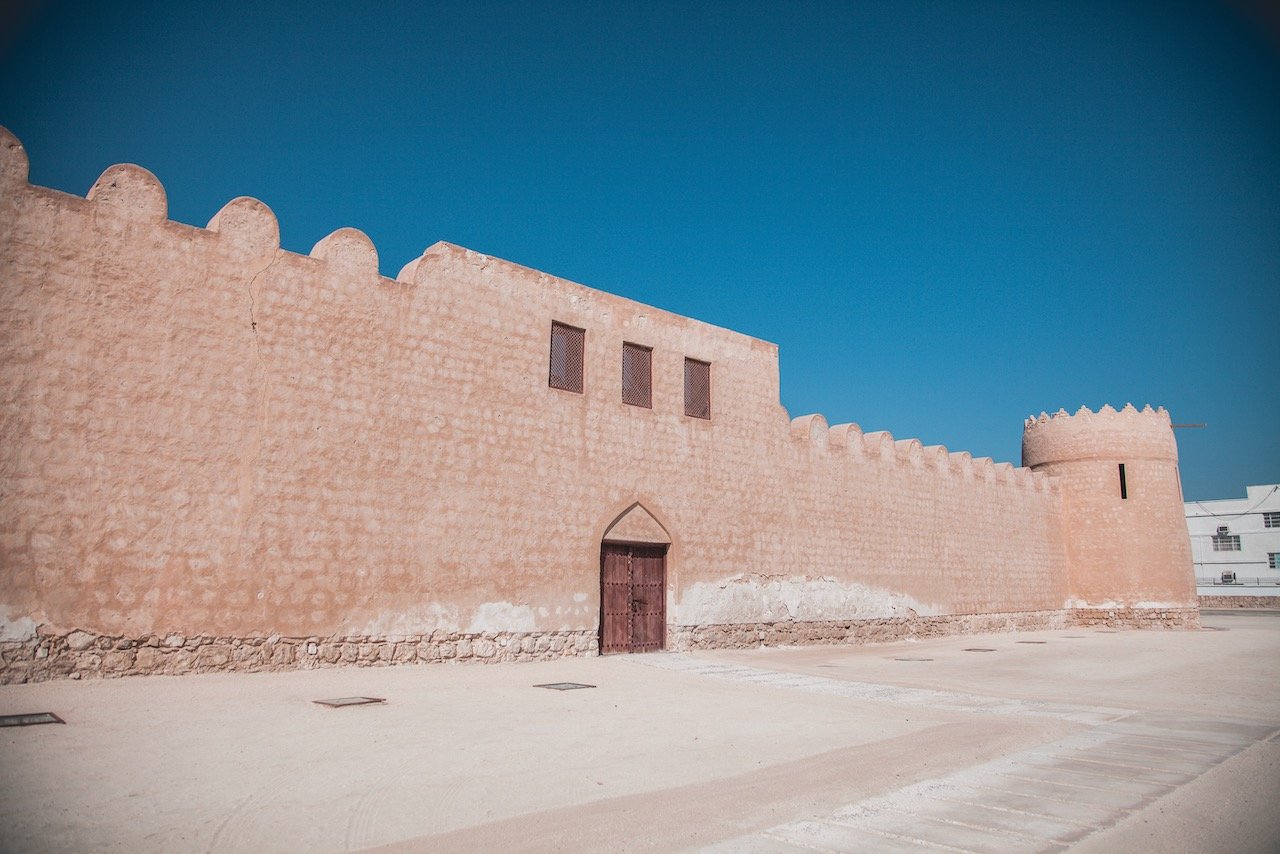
{"x": 1117, "y": 471}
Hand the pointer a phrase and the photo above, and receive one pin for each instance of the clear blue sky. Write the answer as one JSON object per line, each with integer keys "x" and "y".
{"x": 948, "y": 215}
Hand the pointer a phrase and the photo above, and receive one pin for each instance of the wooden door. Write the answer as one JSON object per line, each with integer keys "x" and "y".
{"x": 633, "y": 598}
{"x": 615, "y": 598}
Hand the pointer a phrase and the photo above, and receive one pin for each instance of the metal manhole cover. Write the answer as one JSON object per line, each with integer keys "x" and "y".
{"x": 30, "y": 719}
{"x": 564, "y": 686}
{"x": 1105, "y": 631}
{"x": 339, "y": 702}
{"x": 979, "y": 649}
{"x": 1074, "y": 636}
{"x": 910, "y": 658}
{"x": 1030, "y": 641}
{"x": 1214, "y": 629}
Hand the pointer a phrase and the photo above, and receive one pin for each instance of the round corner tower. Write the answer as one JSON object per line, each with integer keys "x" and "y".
{"x": 1123, "y": 523}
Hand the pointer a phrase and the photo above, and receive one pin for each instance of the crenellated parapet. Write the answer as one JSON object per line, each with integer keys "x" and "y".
{"x": 14, "y": 167}
{"x": 1127, "y": 433}
{"x": 1117, "y": 471}
{"x": 126, "y": 197}
{"x": 847, "y": 442}
{"x": 249, "y": 226}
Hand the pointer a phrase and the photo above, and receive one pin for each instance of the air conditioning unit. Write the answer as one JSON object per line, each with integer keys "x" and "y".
{"x": 1228, "y": 577}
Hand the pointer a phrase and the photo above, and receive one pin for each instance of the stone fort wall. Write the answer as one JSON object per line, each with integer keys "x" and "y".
{"x": 222, "y": 455}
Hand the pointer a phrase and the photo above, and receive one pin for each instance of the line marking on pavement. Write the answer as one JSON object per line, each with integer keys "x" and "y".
{"x": 1041, "y": 799}
{"x": 974, "y": 803}
{"x": 928, "y": 697}
{"x": 1022, "y": 834}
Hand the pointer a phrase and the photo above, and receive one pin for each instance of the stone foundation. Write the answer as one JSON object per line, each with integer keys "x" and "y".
{"x": 885, "y": 630}
{"x": 1271, "y": 603}
{"x": 83, "y": 655}
{"x": 1139, "y": 618}
{"x": 747, "y": 635}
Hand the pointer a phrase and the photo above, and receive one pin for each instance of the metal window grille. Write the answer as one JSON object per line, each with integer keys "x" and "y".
{"x": 566, "y": 357}
{"x": 1271, "y": 520}
{"x": 697, "y": 389}
{"x": 637, "y": 375}
{"x": 1273, "y": 560}
{"x": 1223, "y": 542}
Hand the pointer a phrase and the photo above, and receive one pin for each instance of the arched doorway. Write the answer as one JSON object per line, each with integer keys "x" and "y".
{"x": 633, "y": 584}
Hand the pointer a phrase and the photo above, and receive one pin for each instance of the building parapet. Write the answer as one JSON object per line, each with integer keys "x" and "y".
{"x": 848, "y": 440}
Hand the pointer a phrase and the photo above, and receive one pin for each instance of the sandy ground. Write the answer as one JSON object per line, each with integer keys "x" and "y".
{"x": 792, "y": 749}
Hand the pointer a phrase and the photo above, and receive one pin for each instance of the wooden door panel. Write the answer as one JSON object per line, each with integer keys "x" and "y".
{"x": 648, "y": 598}
{"x": 615, "y": 599}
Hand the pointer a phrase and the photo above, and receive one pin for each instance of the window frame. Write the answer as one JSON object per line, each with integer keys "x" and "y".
{"x": 1225, "y": 541}
{"x": 688, "y": 410}
{"x": 645, "y": 401}
{"x": 574, "y": 334}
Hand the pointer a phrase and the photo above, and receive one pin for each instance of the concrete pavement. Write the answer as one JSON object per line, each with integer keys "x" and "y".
{"x": 1084, "y": 739}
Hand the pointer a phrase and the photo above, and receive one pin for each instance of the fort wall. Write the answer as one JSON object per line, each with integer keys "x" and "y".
{"x": 219, "y": 454}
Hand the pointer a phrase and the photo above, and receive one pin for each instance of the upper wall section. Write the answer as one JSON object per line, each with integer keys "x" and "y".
{"x": 745, "y": 377}
{"x": 127, "y": 199}
{"x": 1127, "y": 434}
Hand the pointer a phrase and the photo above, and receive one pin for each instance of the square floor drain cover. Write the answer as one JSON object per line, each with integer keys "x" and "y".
{"x": 978, "y": 649}
{"x": 1030, "y": 641}
{"x": 339, "y": 702}
{"x": 564, "y": 686}
{"x": 31, "y": 719}
{"x": 909, "y": 658}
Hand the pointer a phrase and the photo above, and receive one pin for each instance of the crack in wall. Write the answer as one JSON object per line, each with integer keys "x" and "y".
{"x": 253, "y": 448}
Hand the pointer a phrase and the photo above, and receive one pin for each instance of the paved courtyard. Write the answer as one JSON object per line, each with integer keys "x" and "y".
{"x": 1082, "y": 740}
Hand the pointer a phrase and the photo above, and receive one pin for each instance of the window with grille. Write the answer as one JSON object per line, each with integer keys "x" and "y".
{"x": 697, "y": 389}
{"x": 566, "y": 357}
{"x": 1273, "y": 560}
{"x": 1271, "y": 520}
{"x": 637, "y": 375}
{"x": 1225, "y": 541}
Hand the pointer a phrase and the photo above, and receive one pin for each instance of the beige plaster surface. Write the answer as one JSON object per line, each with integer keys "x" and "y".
{"x": 668, "y": 752}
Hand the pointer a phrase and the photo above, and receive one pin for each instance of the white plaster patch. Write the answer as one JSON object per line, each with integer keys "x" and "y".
{"x": 502, "y": 617}
{"x": 768, "y": 599}
{"x": 1072, "y": 603}
{"x": 579, "y": 597}
{"x": 416, "y": 621}
{"x": 16, "y": 628}
{"x": 1112, "y": 605}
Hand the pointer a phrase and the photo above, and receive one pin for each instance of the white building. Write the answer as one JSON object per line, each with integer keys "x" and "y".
{"x": 1235, "y": 543}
